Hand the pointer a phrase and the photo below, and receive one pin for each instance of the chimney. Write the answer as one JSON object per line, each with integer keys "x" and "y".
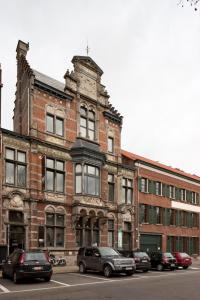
{"x": 22, "y": 48}
{"x": 1, "y": 85}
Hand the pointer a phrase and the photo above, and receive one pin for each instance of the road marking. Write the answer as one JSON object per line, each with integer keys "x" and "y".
{"x": 94, "y": 277}
{"x": 4, "y": 289}
{"x": 62, "y": 283}
{"x": 193, "y": 268}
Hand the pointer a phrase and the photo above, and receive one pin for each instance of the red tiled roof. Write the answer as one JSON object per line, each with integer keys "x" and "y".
{"x": 157, "y": 164}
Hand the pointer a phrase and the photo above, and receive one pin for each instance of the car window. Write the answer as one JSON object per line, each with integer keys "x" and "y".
{"x": 106, "y": 251}
{"x": 140, "y": 254}
{"x": 168, "y": 255}
{"x": 96, "y": 253}
{"x": 35, "y": 256}
{"x": 88, "y": 252}
{"x": 184, "y": 255}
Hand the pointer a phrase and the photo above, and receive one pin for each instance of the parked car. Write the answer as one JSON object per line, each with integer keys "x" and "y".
{"x": 142, "y": 260}
{"x": 104, "y": 259}
{"x": 182, "y": 259}
{"x": 27, "y": 264}
{"x": 162, "y": 260}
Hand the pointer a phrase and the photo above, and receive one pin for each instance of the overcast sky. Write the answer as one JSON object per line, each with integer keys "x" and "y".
{"x": 149, "y": 52}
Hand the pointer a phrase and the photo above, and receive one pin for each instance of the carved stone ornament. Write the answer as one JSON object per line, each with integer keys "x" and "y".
{"x": 16, "y": 201}
{"x": 123, "y": 208}
{"x": 89, "y": 200}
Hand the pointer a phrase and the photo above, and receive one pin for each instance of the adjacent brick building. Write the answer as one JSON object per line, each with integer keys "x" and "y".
{"x": 65, "y": 182}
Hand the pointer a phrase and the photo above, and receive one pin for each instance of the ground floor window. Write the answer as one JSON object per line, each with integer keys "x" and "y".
{"x": 87, "y": 232}
{"x": 55, "y": 229}
{"x": 111, "y": 233}
{"x": 189, "y": 245}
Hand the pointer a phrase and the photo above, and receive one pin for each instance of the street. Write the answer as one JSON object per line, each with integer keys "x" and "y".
{"x": 180, "y": 284}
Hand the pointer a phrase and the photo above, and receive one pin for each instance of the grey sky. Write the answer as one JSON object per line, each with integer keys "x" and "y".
{"x": 148, "y": 50}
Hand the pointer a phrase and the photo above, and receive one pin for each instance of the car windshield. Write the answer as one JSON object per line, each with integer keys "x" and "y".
{"x": 140, "y": 254}
{"x": 106, "y": 251}
{"x": 168, "y": 255}
{"x": 183, "y": 255}
{"x": 32, "y": 256}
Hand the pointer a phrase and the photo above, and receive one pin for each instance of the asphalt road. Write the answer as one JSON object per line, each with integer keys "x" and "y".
{"x": 167, "y": 285}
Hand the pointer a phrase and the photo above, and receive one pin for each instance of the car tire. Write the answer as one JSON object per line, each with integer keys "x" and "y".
{"x": 15, "y": 277}
{"x": 185, "y": 267}
{"x": 107, "y": 271}
{"x": 129, "y": 273}
{"x": 82, "y": 268}
{"x": 47, "y": 279}
{"x": 159, "y": 267}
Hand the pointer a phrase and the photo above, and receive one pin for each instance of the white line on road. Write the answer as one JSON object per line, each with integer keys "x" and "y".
{"x": 62, "y": 283}
{"x": 4, "y": 289}
{"x": 94, "y": 277}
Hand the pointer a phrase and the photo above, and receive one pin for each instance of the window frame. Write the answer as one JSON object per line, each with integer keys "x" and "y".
{"x": 110, "y": 146}
{"x": 111, "y": 187}
{"x": 126, "y": 189}
{"x": 87, "y": 116}
{"x": 55, "y": 118}
{"x": 55, "y": 227}
{"x": 55, "y": 172}
{"x": 85, "y": 176}
{"x": 16, "y": 163}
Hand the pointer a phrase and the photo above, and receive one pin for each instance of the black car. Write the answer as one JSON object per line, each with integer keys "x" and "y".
{"x": 162, "y": 260}
{"x": 142, "y": 260}
{"x": 104, "y": 259}
{"x": 27, "y": 264}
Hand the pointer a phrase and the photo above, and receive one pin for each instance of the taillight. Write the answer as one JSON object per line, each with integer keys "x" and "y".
{"x": 21, "y": 258}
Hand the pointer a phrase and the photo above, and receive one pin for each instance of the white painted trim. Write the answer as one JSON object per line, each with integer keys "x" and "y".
{"x": 184, "y": 206}
{"x": 166, "y": 174}
{"x": 4, "y": 289}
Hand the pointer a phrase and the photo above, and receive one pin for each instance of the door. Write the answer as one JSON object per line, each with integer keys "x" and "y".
{"x": 96, "y": 260}
{"x": 16, "y": 237}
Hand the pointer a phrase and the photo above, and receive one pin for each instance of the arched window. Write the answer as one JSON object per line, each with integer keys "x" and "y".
{"x": 87, "y": 123}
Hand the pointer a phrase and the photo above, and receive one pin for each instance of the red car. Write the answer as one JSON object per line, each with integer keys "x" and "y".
{"x": 182, "y": 259}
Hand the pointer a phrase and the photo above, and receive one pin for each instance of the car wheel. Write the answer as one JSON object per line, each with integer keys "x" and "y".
{"x": 82, "y": 268}
{"x": 159, "y": 267}
{"x": 129, "y": 273}
{"x": 185, "y": 267}
{"x": 145, "y": 271}
{"x": 107, "y": 271}
{"x": 15, "y": 278}
{"x": 47, "y": 279}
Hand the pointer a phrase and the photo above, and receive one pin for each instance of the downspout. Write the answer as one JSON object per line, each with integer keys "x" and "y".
{"x": 138, "y": 210}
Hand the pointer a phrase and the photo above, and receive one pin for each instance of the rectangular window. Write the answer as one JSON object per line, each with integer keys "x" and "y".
{"x": 55, "y": 175}
{"x": 158, "y": 188}
{"x": 91, "y": 180}
{"x": 55, "y": 124}
{"x": 171, "y": 192}
{"x": 158, "y": 215}
{"x": 54, "y": 230}
{"x": 183, "y": 195}
{"x": 144, "y": 213}
{"x": 110, "y": 144}
{"x": 127, "y": 190}
{"x": 111, "y": 187}
{"x": 126, "y": 240}
{"x": 144, "y": 185}
{"x": 15, "y": 167}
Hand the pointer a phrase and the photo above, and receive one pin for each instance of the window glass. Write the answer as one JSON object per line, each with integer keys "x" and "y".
{"x": 91, "y": 115}
{"x": 91, "y": 125}
{"x": 50, "y": 121}
{"x": 110, "y": 144}
{"x": 49, "y": 237}
{"x": 60, "y": 165}
{"x": 91, "y": 135}
{"x": 59, "y": 126}
{"x": 59, "y": 237}
{"x": 83, "y": 122}
{"x": 59, "y": 220}
{"x": 83, "y": 131}
{"x": 50, "y": 163}
{"x": 50, "y": 219}
{"x": 50, "y": 180}
{"x": 78, "y": 168}
{"x": 21, "y": 175}
{"x": 78, "y": 184}
{"x": 91, "y": 170}
{"x": 60, "y": 182}
{"x": 10, "y": 154}
{"x": 21, "y": 156}
{"x": 10, "y": 177}
{"x": 83, "y": 111}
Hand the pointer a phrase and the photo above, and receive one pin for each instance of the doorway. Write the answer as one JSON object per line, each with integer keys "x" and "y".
{"x": 16, "y": 237}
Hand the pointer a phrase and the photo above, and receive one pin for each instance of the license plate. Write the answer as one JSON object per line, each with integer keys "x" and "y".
{"x": 144, "y": 260}
{"x": 37, "y": 268}
{"x": 172, "y": 265}
{"x": 128, "y": 268}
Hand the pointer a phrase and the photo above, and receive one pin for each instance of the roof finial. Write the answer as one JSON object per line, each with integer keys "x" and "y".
{"x": 87, "y": 48}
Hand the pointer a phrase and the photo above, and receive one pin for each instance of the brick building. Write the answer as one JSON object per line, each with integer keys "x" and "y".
{"x": 63, "y": 184}
{"x": 168, "y": 206}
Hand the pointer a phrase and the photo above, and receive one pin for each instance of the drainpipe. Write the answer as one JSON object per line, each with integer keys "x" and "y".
{"x": 138, "y": 210}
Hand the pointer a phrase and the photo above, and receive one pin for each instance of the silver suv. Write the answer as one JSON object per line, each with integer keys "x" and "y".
{"x": 104, "y": 259}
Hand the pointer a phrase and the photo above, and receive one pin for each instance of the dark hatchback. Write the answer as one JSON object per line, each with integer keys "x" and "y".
{"x": 142, "y": 260}
{"x": 162, "y": 260}
{"x": 27, "y": 264}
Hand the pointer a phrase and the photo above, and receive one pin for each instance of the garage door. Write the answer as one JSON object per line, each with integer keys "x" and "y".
{"x": 150, "y": 242}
